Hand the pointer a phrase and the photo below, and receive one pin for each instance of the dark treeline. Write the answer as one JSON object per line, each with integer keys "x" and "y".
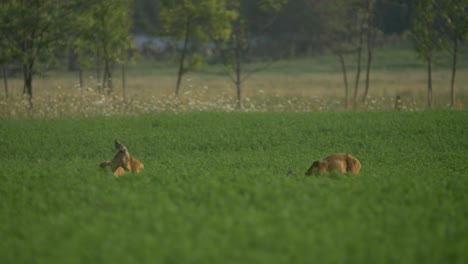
{"x": 100, "y": 35}
{"x": 296, "y": 25}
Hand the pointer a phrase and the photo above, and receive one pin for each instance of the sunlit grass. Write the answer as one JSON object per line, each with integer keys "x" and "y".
{"x": 216, "y": 188}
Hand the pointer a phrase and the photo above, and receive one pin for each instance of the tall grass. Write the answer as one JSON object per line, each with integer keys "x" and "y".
{"x": 217, "y": 187}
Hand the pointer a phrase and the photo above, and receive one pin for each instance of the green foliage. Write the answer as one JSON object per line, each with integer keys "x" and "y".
{"x": 37, "y": 32}
{"x": 426, "y": 31}
{"x": 195, "y": 62}
{"x": 271, "y": 5}
{"x": 31, "y": 30}
{"x": 192, "y": 62}
{"x": 110, "y": 28}
{"x": 194, "y": 23}
{"x": 291, "y": 15}
{"x": 454, "y": 19}
{"x": 201, "y": 19}
{"x": 106, "y": 36}
{"x": 8, "y": 51}
{"x": 218, "y": 192}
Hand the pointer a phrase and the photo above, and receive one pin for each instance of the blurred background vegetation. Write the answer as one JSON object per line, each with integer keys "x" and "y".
{"x": 102, "y": 40}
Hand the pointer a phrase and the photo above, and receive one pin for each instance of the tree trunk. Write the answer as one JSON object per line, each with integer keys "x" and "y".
{"x": 238, "y": 90}
{"x": 98, "y": 70}
{"x": 28, "y": 75}
{"x": 237, "y": 54}
{"x": 368, "y": 68}
{"x": 124, "y": 84}
{"x": 72, "y": 61}
{"x": 454, "y": 70}
{"x": 103, "y": 81}
{"x": 429, "y": 83}
{"x": 182, "y": 57}
{"x": 358, "y": 70}
{"x": 5, "y": 81}
{"x": 370, "y": 48}
{"x": 345, "y": 79}
{"x": 107, "y": 71}
{"x": 80, "y": 73}
{"x": 374, "y": 15}
{"x": 110, "y": 86}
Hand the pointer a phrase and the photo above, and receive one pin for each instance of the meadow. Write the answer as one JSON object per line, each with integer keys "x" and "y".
{"x": 293, "y": 85}
{"x": 229, "y": 187}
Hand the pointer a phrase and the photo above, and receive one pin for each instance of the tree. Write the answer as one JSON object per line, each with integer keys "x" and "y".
{"x": 427, "y": 36}
{"x": 455, "y": 19}
{"x": 81, "y": 43}
{"x": 360, "y": 25}
{"x": 35, "y": 29}
{"x": 110, "y": 31}
{"x": 347, "y": 27}
{"x": 7, "y": 51}
{"x": 371, "y": 14}
{"x": 194, "y": 22}
{"x": 235, "y": 48}
{"x": 232, "y": 50}
{"x": 339, "y": 35}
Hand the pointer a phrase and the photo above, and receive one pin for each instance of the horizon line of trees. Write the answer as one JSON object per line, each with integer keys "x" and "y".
{"x": 97, "y": 35}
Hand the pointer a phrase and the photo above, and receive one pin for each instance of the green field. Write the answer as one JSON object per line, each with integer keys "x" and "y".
{"x": 215, "y": 189}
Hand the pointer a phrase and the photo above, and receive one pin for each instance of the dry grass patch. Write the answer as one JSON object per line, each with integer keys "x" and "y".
{"x": 60, "y": 95}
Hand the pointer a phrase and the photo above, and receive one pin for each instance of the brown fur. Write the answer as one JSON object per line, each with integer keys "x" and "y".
{"x": 122, "y": 161}
{"x": 342, "y": 162}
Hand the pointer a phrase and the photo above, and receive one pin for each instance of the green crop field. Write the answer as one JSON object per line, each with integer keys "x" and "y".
{"x": 230, "y": 188}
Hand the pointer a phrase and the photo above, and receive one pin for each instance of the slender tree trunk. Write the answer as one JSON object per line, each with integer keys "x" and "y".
{"x": 72, "y": 60}
{"x": 107, "y": 71}
{"x": 98, "y": 70}
{"x": 28, "y": 75}
{"x": 454, "y": 70}
{"x": 358, "y": 70}
{"x": 5, "y": 81}
{"x": 80, "y": 73}
{"x": 24, "y": 87}
{"x": 371, "y": 33}
{"x": 237, "y": 54}
{"x": 110, "y": 85}
{"x": 182, "y": 57}
{"x": 104, "y": 81}
{"x": 345, "y": 79}
{"x": 429, "y": 83}
{"x": 28, "y": 85}
{"x": 238, "y": 88}
{"x": 124, "y": 84}
{"x": 368, "y": 69}
{"x": 370, "y": 48}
